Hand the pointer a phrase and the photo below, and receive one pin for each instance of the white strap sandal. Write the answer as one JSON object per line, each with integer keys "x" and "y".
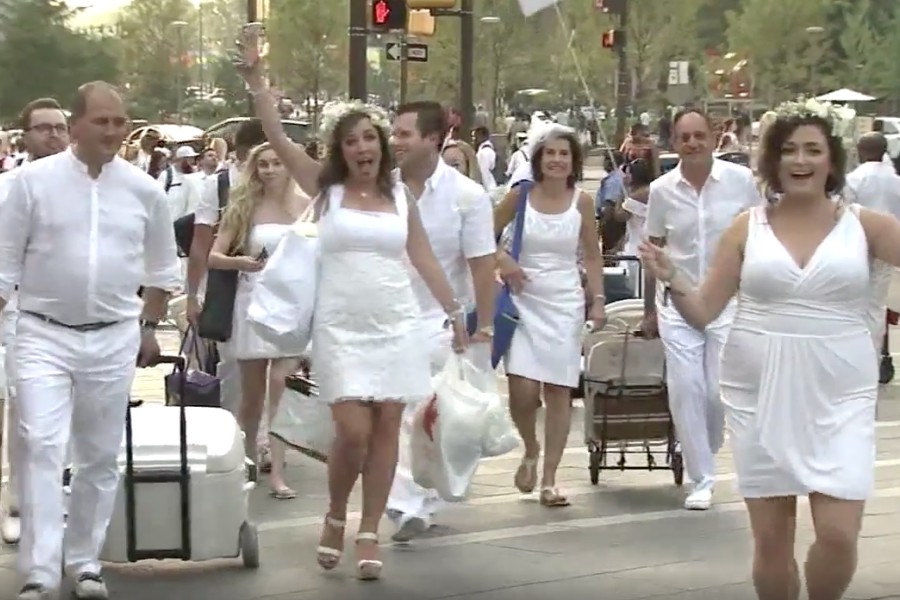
{"x": 368, "y": 570}
{"x": 328, "y": 558}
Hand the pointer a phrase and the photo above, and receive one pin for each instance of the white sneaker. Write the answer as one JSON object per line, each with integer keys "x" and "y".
{"x": 90, "y": 586}
{"x": 11, "y": 528}
{"x": 699, "y": 499}
{"x": 35, "y": 591}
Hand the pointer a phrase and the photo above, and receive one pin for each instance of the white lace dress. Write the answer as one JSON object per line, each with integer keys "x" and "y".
{"x": 367, "y": 341}
{"x": 799, "y": 372}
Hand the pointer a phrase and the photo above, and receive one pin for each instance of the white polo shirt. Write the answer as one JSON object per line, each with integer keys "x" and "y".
{"x": 458, "y": 216}
{"x": 693, "y": 222}
{"x": 207, "y": 211}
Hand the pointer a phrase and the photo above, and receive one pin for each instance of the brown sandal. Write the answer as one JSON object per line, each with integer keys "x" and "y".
{"x": 526, "y": 475}
{"x": 551, "y": 498}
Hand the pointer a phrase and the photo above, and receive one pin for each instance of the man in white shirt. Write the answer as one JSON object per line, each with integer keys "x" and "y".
{"x": 206, "y": 217}
{"x": 80, "y": 232}
{"x": 519, "y": 159}
{"x": 688, "y": 210}
{"x": 876, "y": 186}
{"x": 458, "y": 217}
{"x": 46, "y": 132}
{"x": 486, "y": 155}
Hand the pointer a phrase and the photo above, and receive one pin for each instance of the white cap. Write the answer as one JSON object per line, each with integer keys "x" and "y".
{"x": 185, "y": 152}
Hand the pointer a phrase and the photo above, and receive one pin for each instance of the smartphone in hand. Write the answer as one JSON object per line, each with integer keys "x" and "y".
{"x": 263, "y": 256}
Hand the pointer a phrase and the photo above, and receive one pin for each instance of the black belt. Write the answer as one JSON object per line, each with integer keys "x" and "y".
{"x": 83, "y": 328}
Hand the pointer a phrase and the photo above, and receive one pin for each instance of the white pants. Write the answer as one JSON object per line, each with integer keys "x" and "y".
{"x": 692, "y": 374}
{"x": 7, "y": 337}
{"x": 408, "y": 497}
{"x": 70, "y": 386}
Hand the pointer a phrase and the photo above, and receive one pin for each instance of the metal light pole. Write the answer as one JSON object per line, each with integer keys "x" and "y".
{"x": 357, "y": 63}
{"x": 182, "y": 80}
{"x": 623, "y": 92}
{"x": 467, "y": 67}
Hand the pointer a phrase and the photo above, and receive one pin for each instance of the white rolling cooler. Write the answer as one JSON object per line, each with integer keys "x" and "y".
{"x": 185, "y": 487}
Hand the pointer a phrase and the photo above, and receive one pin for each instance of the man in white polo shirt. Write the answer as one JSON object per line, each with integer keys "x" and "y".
{"x": 458, "y": 217}
{"x": 688, "y": 210}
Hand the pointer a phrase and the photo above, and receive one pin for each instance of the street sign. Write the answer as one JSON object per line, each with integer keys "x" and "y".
{"x": 414, "y": 52}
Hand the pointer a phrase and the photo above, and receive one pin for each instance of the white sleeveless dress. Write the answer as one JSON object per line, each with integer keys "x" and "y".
{"x": 546, "y": 346}
{"x": 247, "y": 344}
{"x": 799, "y": 372}
{"x": 367, "y": 342}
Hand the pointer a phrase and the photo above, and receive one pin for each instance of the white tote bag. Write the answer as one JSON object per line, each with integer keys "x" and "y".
{"x": 284, "y": 296}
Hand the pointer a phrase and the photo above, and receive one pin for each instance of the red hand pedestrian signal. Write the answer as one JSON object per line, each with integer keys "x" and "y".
{"x": 381, "y": 11}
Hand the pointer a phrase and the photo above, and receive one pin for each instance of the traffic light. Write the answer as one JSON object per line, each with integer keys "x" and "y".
{"x": 616, "y": 7}
{"x": 613, "y": 39}
{"x": 429, "y": 4}
{"x": 388, "y": 15}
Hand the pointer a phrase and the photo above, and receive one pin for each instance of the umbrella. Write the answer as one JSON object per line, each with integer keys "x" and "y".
{"x": 845, "y": 95}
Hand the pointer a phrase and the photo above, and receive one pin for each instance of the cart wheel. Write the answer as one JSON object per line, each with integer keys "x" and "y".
{"x": 596, "y": 459}
{"x": 886, "y": 370}
{"x": 678, "y": 468}
{"x": 249, "y": 539}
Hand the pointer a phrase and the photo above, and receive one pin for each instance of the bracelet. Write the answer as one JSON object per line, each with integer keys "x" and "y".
{"x": 599, "y": 296}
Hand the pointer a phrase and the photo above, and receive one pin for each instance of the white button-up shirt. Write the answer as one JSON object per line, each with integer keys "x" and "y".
{"x": 79, "y": 247}
{"x": 693, "y": 222}
{"x": 875, "y": 186}
{"x": 487, "y": 161}
{"x": 207, "y": 210}
{"x": 458, "y": 216}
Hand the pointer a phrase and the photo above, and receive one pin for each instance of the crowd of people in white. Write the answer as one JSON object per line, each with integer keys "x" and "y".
{"x": 773, "y": 295}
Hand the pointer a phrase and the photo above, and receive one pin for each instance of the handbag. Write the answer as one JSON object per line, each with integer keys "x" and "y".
{"x": 506, "y": 315}
{"x": 192, "y": 387}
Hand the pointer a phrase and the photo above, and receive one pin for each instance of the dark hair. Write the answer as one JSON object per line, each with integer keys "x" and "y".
{"x": 690, "y": 110}
{"x": 772, "y": 149}
{"x": 482, "y": 131}
{"x": 613, "y": 160}
{"x": 80, "y": 104}
{"x": 431, "y": 118}
{"x": 641, "y": 172}
{"x": 39, "y": 104}
{"x": 334, "y": 167}
{"x": 249, "y": 134}
{"x": 577, "y": 157}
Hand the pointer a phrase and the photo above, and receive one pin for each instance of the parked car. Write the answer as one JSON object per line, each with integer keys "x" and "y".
{"x": 299, "y": 131}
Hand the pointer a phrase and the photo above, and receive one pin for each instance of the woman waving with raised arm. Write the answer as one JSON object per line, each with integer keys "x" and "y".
{"x": 250, "y": 64}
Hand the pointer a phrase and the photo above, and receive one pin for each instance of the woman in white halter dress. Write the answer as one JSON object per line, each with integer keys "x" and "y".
{"x": 799, "y": 370}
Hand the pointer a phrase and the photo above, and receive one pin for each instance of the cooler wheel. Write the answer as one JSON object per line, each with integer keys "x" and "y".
{"x": 596, "y": 461}
{"x": 249, "y": 539}
{"x": 678, "y": 468}
{"x": 886, "y": 370}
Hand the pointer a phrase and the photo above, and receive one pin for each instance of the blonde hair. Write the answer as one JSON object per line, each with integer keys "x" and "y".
{"x": 238, "y": 216}
{"x": 473, "y": 169}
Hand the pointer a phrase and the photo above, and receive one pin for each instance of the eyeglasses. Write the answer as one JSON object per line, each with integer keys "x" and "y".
{"x": 48, "y": 128}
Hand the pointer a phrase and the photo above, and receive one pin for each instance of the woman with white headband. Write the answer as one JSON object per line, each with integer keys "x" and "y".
{"x": 546, "y": 283}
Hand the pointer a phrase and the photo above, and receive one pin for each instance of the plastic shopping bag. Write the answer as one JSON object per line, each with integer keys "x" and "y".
{"x": 304, "y": 423}
{"x": 284, "y": 295}
{"x": 499, "y": 435}
{"x": 447, "y": 432}
{"x": 3, "y": 373}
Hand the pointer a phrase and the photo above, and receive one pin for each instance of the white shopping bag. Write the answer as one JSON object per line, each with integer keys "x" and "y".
{"x": 284, "y": 295}
{"x": 499, "y": 435}
{"x": 445, "y": 444}
{"x": 3, "y": 379}
{"x": 305, "y": 424}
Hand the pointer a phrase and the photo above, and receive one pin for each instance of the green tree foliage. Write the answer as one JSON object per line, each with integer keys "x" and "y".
{"x": 40, "y": 55}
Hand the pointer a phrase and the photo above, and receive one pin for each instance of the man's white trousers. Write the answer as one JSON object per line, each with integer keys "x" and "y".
{"x": 408, "y": 497}
{"x": 692, "y": 376}
{"x": 70, "y": 385}
{"x": 7, "y": 337}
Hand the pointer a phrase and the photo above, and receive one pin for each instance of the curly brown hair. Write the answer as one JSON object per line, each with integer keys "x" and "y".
{"x": 334, "y": 166}
{"x": 772, "y": 149}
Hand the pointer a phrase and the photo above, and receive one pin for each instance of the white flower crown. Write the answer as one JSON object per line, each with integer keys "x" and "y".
{"x": 839, "y": 117}
{"x": 333, "y": 113}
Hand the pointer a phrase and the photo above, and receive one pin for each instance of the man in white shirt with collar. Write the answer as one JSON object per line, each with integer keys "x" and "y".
{"x": 46, "y": 133}
{"x": 486, "y": 155}
{"x": 876, "y": 186}
{"x": 458, "y": 216}
{"x": 688, "y": 210}
{"x": 80, "y": 232}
